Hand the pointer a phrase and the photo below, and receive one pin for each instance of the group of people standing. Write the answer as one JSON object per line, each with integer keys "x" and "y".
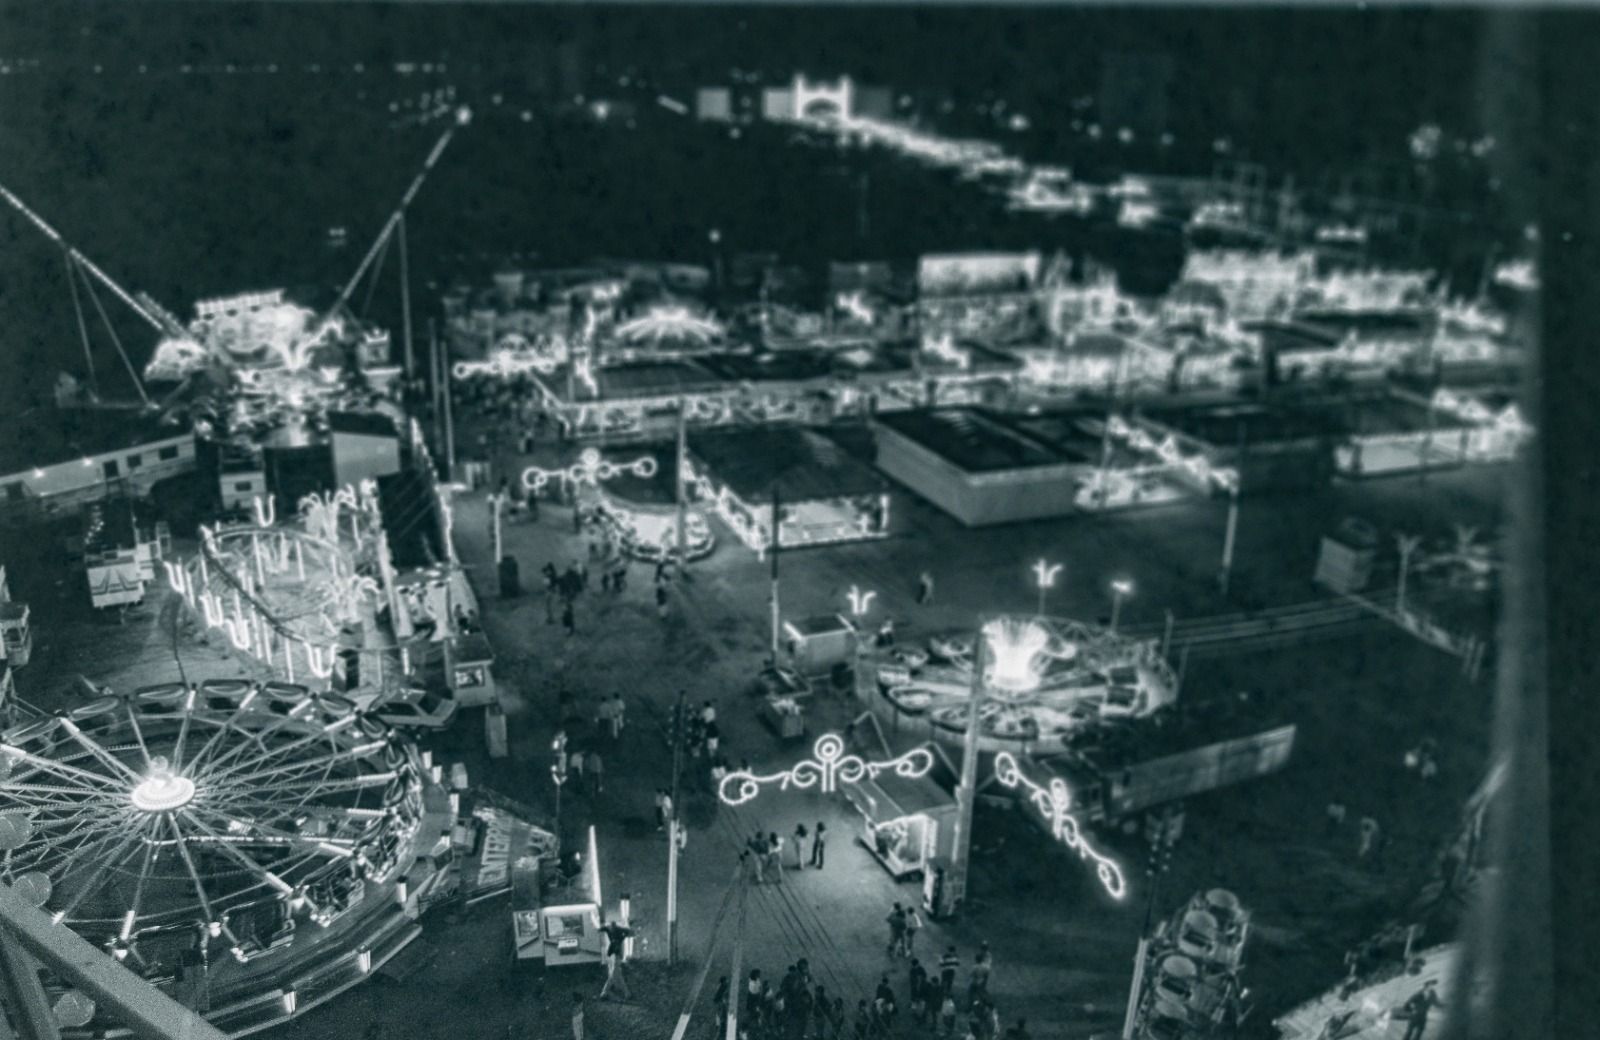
{"x": 767, "y": 855}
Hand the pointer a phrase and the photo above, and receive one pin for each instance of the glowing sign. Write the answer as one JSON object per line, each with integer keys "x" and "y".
{"x": 825, "y": 772}
{"x": 1055, "y": 804}
{"x": 590, "y": 468}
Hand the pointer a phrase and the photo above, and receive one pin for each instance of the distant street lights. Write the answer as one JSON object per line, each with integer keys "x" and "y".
{"x": 1045, "y": 576}
{"x": 1121, "y": 589}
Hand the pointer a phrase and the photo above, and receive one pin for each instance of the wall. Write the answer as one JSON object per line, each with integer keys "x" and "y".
{"x": 356, "y": 457}
{"x": 977, "y": 499}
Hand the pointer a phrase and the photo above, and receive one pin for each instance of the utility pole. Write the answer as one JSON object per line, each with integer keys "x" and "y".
{"x": 680, "y": 490}
{"x": 672, "y": 833}
{"x": 405, "y": 294}
{"x": 967, "y": 791}
{"x": 1228, "y": 537}
{"x": 736, "y": 975}
{"x": 449, "y": 419}
{"x": 773, "y": 550}
{"x": 1160, "y": 859}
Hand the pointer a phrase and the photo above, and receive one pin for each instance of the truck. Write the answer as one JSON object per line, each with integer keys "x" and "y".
{"x": 1151, "y": 762}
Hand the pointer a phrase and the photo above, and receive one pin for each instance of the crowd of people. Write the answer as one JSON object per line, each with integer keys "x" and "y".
{"x": 799, "y": 1007}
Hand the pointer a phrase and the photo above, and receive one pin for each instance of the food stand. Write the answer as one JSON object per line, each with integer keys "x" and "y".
{"x": 785, "y": 714}
{"x": 907, "y": 822}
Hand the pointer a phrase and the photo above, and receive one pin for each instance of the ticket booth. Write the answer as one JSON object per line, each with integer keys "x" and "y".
{"x": 469, "y": 664}
{"x": 907, "y": 822}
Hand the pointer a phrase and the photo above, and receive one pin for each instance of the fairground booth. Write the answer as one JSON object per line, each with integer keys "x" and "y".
{"x": 907, "y": 822}
{"x": 985, "y": 468}
{"x": 821, "y": 493}
{"x": 638, "y": 503}
{"x": 1401, "y": 432}
{"x": 1270, "y": 446}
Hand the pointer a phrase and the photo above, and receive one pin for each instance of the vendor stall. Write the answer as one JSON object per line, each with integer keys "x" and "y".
{"x": 785, "y": 714}
{"x": 906, "y": 821}
{"x": 816, "y": 644}
{"x": 568, "y": 913}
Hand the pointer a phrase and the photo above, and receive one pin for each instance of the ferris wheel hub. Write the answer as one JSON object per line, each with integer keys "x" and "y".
{"x": 162, "y": 792}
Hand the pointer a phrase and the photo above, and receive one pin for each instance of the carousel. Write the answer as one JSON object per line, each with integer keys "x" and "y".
{"x": 1044, "y": 679}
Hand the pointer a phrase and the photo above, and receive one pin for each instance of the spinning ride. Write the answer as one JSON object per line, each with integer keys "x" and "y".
{"x": 1047, "y": 678}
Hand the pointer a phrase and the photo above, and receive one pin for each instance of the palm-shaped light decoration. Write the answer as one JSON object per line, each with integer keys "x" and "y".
{"x": 1015, "y": 646}
{"x": 859, "y": 600}
{"x": 1054, "y": 802}
{"x": 320, "y": 511}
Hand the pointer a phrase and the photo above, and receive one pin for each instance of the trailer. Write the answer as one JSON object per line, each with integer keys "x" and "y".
{"x": 1112, "y": 782}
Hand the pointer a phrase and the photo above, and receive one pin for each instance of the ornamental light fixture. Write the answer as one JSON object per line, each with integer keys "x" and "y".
{"x": 825, "y": 772}
{"x": 1054, "y": 803}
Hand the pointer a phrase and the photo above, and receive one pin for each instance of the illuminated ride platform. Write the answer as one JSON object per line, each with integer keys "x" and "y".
{"x": 1048, "y": 678}
{"x": 251, "y": 850}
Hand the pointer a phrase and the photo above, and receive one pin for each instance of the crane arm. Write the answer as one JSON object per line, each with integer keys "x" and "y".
{"x": 463, "y": 116}
{"x": 89, "y": 265}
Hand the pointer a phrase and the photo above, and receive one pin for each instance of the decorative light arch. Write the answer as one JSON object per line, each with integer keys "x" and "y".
{"x": 831, "y": 767}
{"x": 1055, "y": 804}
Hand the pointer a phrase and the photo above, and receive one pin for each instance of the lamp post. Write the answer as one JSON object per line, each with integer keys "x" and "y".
{"x": 1121, "y": 589}
{"x": 1228, "y": 537}
{"x": 1045, "y": 576}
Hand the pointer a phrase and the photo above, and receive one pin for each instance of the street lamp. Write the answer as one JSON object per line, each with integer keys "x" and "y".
{"x": 1121, "y": 588}
{"x": 1045, "y": 576}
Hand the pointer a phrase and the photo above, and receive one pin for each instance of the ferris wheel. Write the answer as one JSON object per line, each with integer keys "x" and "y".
{"x": 228, "y": 808}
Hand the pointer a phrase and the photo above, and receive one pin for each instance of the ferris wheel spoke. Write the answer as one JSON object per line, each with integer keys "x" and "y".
{"x": 258, "y": 739}
{"x": 138, "y": 733}
{"x": 183, "y": 732}
{"x": 90, "y": 836}
{"x": 270, "y": 754}
{"x": 354, "y": 752}
{"x": 348, "y": 784}
{"x": 224, "y": 727}
{"x": 103, "y": 867}
{"x": 229, "y": 849}
{"x": 188, "y": 864}
{"x": 330, "y": 845}
{"x": 99, "y": 752}
{"x": 84, "y": 778}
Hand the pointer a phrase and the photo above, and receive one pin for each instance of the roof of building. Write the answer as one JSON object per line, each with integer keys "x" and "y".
{"x": 802, "y": 464}
{"x": 1224, "y": 425}
{"x": 50, "y": 436}
{"x": 368, "y": 424}
{"x": 973, "y": 440}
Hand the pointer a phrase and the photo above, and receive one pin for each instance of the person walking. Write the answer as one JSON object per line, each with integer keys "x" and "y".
{"x": 616, "y": 946}
{"x": 799, "y": 845}
{"x": 577, "y": 1016}
{"x": 1417, "y": 1008}
{"x": 947, "y": 1013}
{"x": 913, "y": 923}
{"x": 568, "y": 621}
{"x": 758, "y": 857}
{"x": 596, "y": 770}
{"x": 719, "y": 1000}
{"x": 775, "y": 856}
{"x": 897, "y": 930}
{"x": 1336, "y": 815}
{"x": 618, "y": 711}
{"x": 819, "y": 845}
{"x": 661, "y": 602}
{"x": 575, "y": 764}
{"x": 552, "y": 582}
{"x": 708, "y": 713}
{"x": 1369, "y": 837}
{"x": 948, "y": 963}
{"x": 924, "y": 589}
{"x": 981, "y": 967}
